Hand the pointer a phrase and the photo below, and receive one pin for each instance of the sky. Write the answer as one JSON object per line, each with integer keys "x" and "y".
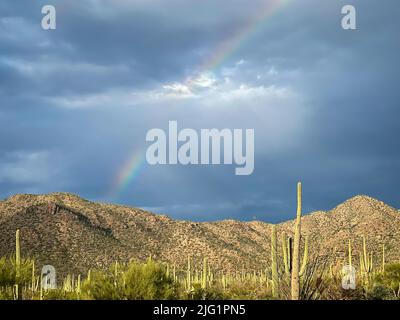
{"x": 76, "y": 102}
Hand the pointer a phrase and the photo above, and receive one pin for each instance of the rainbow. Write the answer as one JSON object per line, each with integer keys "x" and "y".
{"x": 127, "y": 173}
{"x": 222, "y": 53}
{"x": 228, "y": 47}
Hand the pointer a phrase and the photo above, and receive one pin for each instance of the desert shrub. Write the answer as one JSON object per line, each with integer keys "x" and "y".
{"x": 376, "y": 288}
{"x": 247, "y": 290}
{"x": 101, "y": 286}
{"x": 6, "y": 293}
{"x": 59, "y": 294}
{"x": 136, "y": 281}
{"x": 8, "y": 272}
{"x": 214, "y": 292}
{"x": 314, "y": 282}
{"x": 335, "y": 291}
{"x": 390, "y": 279}
{"x": 379, "y": 292}
{"x": 148, "y": 281}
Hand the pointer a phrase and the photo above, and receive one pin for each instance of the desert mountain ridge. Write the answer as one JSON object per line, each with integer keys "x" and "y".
{"x": 75, "y": 234}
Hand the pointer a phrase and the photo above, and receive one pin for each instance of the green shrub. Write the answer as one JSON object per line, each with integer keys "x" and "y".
{"x": 101, "y": 286}
{"x": 390, "y": 279}
{"x": 247, "y": 290}
{"x": 214, "y": 292}
{"x": 136, "y": 281}
{"x": 379, "y": 292}
{"x": 59, "y": 294}
{"x": 148, "y": 281}
{"x": 8, "y": 272}
{"x": 6, "y": 293}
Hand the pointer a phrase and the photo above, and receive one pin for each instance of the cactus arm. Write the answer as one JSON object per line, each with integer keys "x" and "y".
{"x": 350, "y": 255}
{"x": 285, "y": 254}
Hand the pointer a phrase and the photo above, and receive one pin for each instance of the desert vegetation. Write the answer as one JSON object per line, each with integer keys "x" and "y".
{"x": 293, "y": 273}
{"x": 318, "y": 279}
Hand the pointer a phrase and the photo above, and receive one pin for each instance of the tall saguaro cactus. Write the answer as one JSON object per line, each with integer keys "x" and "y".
{"x": 188, "y": 276}
{"x": 17, "y": 254}
{"x": 350, "y": 254}
{"x": 295, "y": 287}
{"x": 18, "y": 288}
{"x": 274, "y": 263}
{"x": 366, "y": 262}
{"x": 204, "y": 274}
{"x": 366, "y": 259}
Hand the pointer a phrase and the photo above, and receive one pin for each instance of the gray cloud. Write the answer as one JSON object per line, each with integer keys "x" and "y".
{"x": 76, "y": 103}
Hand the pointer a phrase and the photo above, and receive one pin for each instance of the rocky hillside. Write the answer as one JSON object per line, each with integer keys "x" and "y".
{"x": 74, "y": 234}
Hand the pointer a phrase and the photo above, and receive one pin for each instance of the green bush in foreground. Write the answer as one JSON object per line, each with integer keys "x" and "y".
{"x": 390, "y": 280}
{"x": 148, "y": 281}
{"x": 136, "y": 281}
{"x": 8, "y": 272}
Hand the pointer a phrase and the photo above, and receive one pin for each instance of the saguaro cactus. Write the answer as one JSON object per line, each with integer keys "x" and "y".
{"x": 204, "y": 274}
{"x": 17, "y": 254}
{"x": 188, "y": 276}
{"x": 33, "y": 278}
{"x": 366, "y": 259}
{"x": 287, "y": 248}
{"x": 350, "y": 255}
{"x": 18, "y": 287}
{"x": 224, "y": 282}
{"x": 274, "y": 263}
{"x": 285, "y": 254}
{"x": 295, "y": 287}
{"x": 290, "y": 253}
{"x": 78, "y": 285}
{"x": 366, "y": 262}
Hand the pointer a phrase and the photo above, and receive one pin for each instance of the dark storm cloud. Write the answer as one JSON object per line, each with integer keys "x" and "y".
{"x": 112, "y": 43}
{"x": 75, "y": 103}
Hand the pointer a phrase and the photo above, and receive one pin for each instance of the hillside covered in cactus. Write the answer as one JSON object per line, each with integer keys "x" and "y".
{"x": 75, "y": 235}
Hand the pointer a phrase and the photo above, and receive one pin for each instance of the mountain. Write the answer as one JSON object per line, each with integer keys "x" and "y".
{"x": 74, "y": 234}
